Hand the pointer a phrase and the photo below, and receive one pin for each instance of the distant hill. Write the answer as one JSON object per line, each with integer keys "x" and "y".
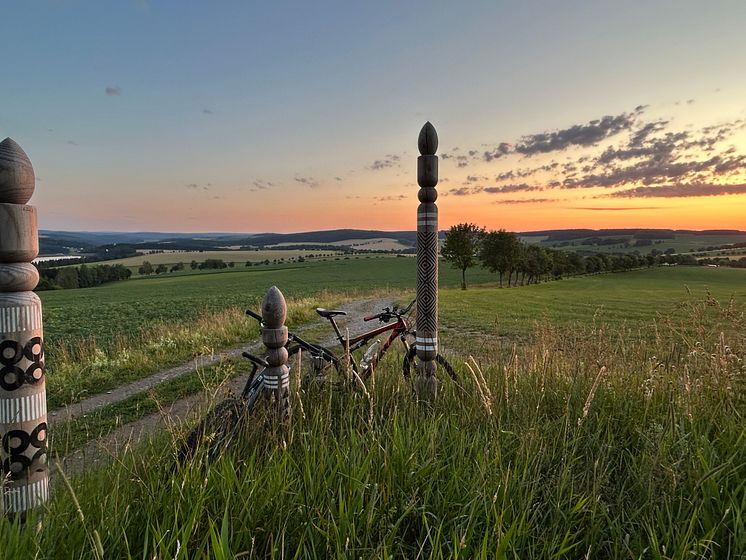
{"x": 583, "y": 240}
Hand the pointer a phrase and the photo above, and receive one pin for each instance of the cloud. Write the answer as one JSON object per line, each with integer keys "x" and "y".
{"x": 511, "y": 188}
{"x": 195, "y": 186}
{"x": 390, "y": 198}
{"x": 207, "y": 112}
{"x": 260, "y": 185}
{"x": 465, "y": 191}
{"x": 680, "y": 191}
{"x": 525, "y": 200}
{"x": 337, "y": 178}
{"x": 113, "y": 90}
{"x": 617, "y": 209}
{"x": 503, "y": 148}
{"x": 582, "y": 135}
{"x": 389, "y": 161}
{"x": 307, "y": 181}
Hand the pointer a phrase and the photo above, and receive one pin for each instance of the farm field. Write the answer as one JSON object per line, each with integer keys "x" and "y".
{"x": 681, "y": 243}
{"x": 238, "y": 257}
{"x": 126, "y": 330}
{"x": 374, "y": 244}
{"x": 579, "y": 442}
{"x": 633, "y": 299}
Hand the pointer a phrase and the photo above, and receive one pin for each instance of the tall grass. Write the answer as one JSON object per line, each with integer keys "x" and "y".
{"x": 582, "y": 443}
{"x": 82, "y": 367}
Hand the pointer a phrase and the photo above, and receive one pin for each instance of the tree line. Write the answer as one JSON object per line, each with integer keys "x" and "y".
{"x": 80, "y": 276}
{"x": 502, "y": 252}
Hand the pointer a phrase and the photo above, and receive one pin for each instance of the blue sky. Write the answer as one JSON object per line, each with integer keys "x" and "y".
{"x": 198, "y": 116}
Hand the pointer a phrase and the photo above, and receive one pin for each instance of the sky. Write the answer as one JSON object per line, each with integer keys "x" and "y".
{"x": 244, "y": 116}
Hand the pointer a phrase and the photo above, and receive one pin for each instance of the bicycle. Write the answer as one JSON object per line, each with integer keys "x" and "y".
{"x": 399, "y": 330}
{"x": 221, "y": 425}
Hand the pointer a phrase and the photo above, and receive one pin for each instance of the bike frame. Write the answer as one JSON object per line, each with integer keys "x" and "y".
{"x": 398, "y": 330}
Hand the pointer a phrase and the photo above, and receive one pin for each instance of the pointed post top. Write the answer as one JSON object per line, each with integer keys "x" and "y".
{"x": 428, "y": 140}
{"x": 17, "y": 178}
{"x": 274, "y": 308}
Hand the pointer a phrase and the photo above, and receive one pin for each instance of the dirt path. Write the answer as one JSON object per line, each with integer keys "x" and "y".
{"x": 103, "y": 450}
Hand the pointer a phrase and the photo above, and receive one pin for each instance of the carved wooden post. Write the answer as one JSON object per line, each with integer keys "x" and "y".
{"x": 426, "y": 385}
{"x": 23, "y": 399}
{"x": 275, "y": 337}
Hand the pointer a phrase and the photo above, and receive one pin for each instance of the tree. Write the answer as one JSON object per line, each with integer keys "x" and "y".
{"x": 499, "y": 252}
{"x": 461, "y": 247}
{"x": 160, "y": 269}
{"x": 193, "y": 265}
{"x": 146, "y": 268}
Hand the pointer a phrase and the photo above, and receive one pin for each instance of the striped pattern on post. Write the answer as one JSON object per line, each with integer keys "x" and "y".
{"x": 275, "y": 337}
{"x": 427, "y": 259}
{"x": 23, "y": 400}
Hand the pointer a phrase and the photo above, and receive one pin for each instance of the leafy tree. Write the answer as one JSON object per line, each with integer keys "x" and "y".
{"x": 146, "y": 268}
{"x": 499, "y": 252}
{"x": 194, "y": 265}
{"x": 160, "y": 269}
{"x": 67, "y": 278}
{"x": 461, "y": 247}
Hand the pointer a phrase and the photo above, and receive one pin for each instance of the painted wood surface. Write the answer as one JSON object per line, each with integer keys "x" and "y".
{"x": 427, "y": 264}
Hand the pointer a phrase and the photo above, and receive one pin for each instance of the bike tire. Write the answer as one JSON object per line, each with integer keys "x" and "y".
{"x": 440, "y": 360}
{"x": 216, "y": 430}
{"x": 316, "y": 369}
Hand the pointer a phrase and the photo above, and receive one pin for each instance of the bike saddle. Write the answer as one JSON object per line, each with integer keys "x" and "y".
{"x": 327, "y": 313}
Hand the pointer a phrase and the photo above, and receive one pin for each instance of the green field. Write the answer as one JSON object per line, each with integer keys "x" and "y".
{"x": 634, "y": 299}
{"x": 606, "y": 422}
{"x": 681, "y": 243}
{"x": 127, "y": 330}
{"x": 125, "y": 307}
{"x": 236, "y": 256}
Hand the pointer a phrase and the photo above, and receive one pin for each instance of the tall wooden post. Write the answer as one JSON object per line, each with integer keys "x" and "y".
{"x": 23, "y": 399}
{"x": 426, "y": 384}
{"x": 275, "y": 337}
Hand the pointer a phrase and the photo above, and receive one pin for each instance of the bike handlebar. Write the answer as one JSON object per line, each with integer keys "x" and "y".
{"x": 256, "y": 316}
{"x": 256, "y": 359}
{"x": 387, "y": 314}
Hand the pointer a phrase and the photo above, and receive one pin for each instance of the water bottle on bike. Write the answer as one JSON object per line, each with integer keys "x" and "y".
{"x": 369, "y": 356}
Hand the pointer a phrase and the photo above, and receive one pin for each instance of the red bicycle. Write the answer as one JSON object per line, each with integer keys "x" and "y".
{"x": 323, "y": 359}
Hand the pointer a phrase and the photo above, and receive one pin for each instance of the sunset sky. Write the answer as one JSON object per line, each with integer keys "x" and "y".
{"x": 238, "y": 116}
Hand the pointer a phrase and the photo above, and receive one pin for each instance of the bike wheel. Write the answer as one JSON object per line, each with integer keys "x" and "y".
{"x": 317, "y": 368}
{"x": 216, "y": 431}
{"x": 408, "y": 362}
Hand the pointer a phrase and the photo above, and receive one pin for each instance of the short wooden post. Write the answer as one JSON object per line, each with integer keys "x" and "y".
{"x": 275, "y": 337}
{"x": 426, "y": 384}
{"x": 23, "y": 399}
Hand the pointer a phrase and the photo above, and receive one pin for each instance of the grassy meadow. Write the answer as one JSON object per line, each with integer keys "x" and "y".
{"x": 236, "y": 256}
{"x": 600, "y": 417}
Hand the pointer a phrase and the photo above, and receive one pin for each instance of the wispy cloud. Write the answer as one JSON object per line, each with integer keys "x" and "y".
{"x": 207, "y": 112}
{"x": 261, "y": 185}
{"x": 679, "y": 191}
{"x": 525, "y": 200}
{"x": 113, "y": 90}
{"x": 616, "y": 208}
{"x": 307, "y": 181}
{"x": 390, "y": 160}
{"x": 583, "y": 135}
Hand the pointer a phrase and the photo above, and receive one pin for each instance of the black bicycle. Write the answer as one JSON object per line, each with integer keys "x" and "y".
{"x": 395, "y": 322}
{"x": 218, "y": 429}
